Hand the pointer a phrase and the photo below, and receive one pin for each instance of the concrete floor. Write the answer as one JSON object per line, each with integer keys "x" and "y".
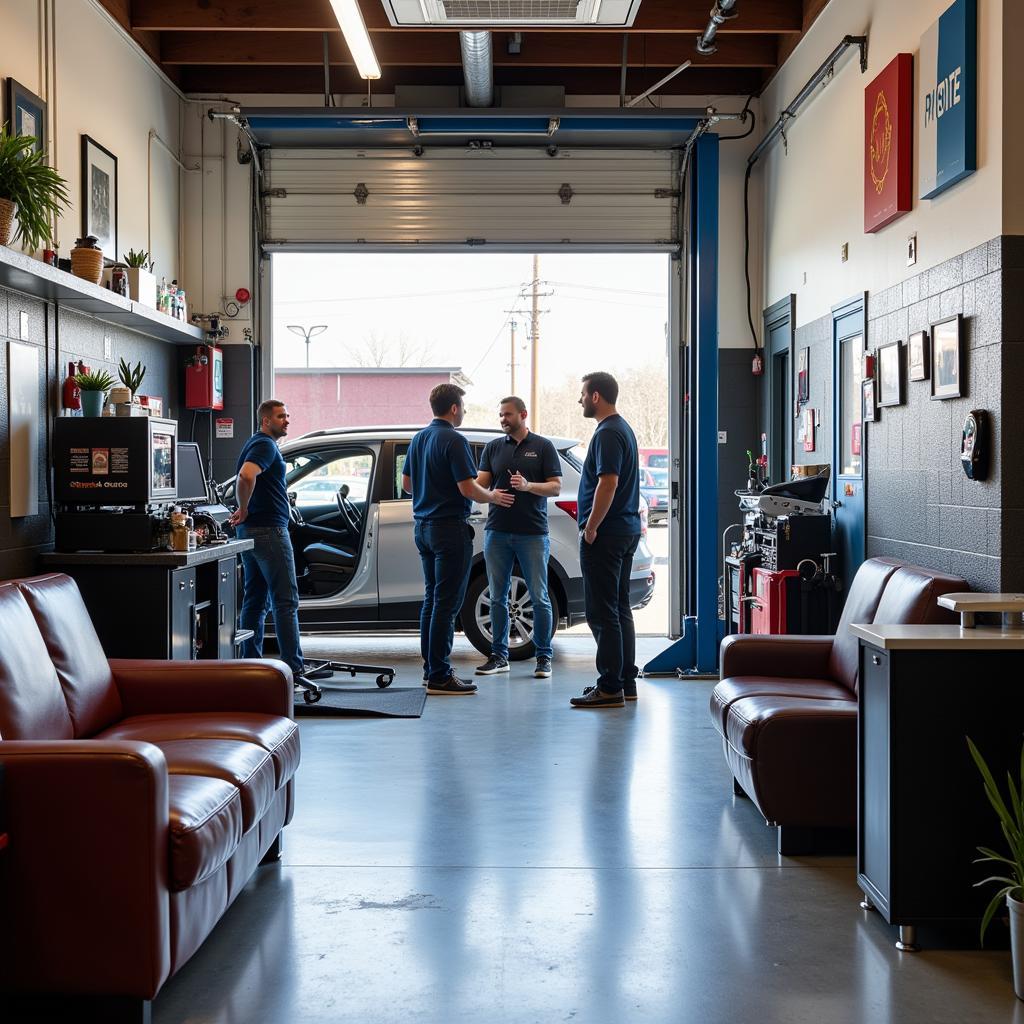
{"x": 507, "y": 860}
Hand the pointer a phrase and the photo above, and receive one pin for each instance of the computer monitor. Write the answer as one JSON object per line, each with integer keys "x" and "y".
{"x": 191, "y": 478}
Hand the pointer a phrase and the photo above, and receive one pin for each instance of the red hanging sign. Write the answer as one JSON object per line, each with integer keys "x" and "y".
{"x": 888, "y": 144}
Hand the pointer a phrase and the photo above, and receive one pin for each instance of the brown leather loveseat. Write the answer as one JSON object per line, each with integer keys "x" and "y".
{"x": 787, "y": 707}
{"x": 140, "y": 796}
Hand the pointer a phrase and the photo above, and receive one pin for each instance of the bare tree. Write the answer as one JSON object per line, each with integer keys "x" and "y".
{"x": 377, "y": 350}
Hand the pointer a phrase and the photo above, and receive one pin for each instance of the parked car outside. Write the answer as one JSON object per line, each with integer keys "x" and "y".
{"x": 654, "y": 458}
{"x": 654, "y": 490}
{"x": 356, "y": 560}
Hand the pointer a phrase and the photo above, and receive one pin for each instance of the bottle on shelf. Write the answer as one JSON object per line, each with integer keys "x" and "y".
{"x": 71, "y": 397}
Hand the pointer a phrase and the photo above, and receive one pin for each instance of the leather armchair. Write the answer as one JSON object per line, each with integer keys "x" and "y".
{"x": 140, "y": 796}
{"x": 786, "y": 708}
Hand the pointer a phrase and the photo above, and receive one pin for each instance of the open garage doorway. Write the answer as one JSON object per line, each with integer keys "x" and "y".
{"x": 358, "y": 341}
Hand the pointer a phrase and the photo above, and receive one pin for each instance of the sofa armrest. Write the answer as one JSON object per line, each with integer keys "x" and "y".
{"x": 83, "y": 881}
{"x": 798, "y": 657}
{"x": 181, "y": 687}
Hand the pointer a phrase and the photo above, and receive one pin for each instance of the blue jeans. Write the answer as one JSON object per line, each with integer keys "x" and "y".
{"x": 531, "y": 551}
{"x": 607, "y": 565}
{"x": 269, "y": 575}
{"x": 446, "y": 551}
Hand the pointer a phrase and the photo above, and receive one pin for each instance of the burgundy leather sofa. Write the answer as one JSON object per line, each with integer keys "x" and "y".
{"x": 140, "y": 796}
{"x": 786, "y": 707}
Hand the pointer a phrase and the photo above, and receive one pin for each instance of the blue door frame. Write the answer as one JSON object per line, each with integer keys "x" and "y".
{"x": 696, "y": 651}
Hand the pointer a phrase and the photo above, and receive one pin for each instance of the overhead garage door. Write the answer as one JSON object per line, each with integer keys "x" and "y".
{"x": 595, "y": 198}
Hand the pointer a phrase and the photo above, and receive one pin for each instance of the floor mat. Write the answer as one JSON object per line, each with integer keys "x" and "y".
{"x": 400, "y": 702}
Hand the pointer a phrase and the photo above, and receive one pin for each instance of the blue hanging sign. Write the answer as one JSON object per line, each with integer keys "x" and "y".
{"x": 948, "y": 105}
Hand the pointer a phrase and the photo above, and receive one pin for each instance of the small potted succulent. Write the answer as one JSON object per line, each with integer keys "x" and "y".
{"x": 131, "y": 377}
{"x": 1010, "y": 811}
{"x": 30, "y": 188}
{"x": 141, "y": 281}
{"x": 94, "y": 387}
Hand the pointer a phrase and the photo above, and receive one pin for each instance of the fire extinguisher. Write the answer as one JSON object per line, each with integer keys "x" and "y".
{"x": 71, "y": 397}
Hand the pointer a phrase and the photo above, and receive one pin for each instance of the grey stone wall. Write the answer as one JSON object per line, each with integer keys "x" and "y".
{"x": 73, "y": 336}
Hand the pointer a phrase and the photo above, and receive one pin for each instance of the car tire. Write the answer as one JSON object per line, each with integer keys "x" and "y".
{"x": 474, "y": 623}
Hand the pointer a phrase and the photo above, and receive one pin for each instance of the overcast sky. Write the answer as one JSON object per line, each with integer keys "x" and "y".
{"x": 605, "y": 311}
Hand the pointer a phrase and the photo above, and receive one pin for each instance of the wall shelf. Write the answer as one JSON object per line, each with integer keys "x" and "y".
{"x": 21, "y": 273}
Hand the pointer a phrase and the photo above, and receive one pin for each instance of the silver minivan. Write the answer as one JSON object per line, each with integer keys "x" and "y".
{"x": 356, "y": 560}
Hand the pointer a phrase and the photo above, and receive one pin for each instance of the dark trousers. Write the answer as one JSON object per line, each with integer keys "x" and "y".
{"x": 446, "y": 551}
{"x": 607, "y": 564}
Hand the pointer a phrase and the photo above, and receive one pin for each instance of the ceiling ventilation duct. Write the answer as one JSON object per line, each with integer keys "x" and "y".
{"x": 519, "y": 13}
{"x": 478, "y": 68}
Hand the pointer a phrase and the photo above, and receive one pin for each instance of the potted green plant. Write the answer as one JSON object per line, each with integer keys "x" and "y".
{"x": 30, "y": 188}
{"x": 94, "y": 387}
{"x": 141, "y": 280}
{"x": 131, "y": 376}
{"x": 1010, "y": 812}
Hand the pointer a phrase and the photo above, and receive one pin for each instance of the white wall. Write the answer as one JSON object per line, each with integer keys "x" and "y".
{"x": 101, "y": 85}
{"x": 813, "y": 195}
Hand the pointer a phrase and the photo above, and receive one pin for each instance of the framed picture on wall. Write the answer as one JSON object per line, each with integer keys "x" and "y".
{"x": 890, "y": 375}
{"x": 870, "y": 408}
{"x": 947, "y": 358}
{"x": 99, "y": 195}
{"x": 803, "y": 377}
{"x": 25, "y": 113}
{"x": 917, "y": 355}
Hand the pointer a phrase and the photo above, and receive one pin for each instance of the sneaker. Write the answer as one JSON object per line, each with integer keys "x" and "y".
{"x": 492, "y": 666}
{"x": 453, "y": 686}
{"x": 594, "y": 698}
{"x": 628, "y": 690}
{"x": 543, "y": 669}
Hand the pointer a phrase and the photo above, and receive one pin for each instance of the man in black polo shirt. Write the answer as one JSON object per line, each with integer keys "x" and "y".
{"x": 609, "y": 519}
{"x": 527, "y": 463}
{"x": 440, "y": 474}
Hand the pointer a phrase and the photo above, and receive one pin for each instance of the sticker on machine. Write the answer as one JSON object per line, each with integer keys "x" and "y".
{"x": 225, "y": 427}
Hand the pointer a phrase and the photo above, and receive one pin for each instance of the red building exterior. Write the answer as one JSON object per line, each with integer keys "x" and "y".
{"x": 362, "y": 396}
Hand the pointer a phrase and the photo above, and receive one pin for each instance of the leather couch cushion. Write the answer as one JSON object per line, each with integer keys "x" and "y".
{"x": 75, "y": 650}
{"x": 728, "y": 691}
{"x": 32, "y": 705}
{"x": 748, "y": 720}
{"x": 206, "y": 827}
{"x": 246, "y": 766}
{"x": 861, "y": 602}
{"x": 912, "y": 596}
{"x": 279, "y": 736}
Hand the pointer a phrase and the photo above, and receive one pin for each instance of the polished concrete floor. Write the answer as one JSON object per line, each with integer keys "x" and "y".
{"x": 507, "y": 860}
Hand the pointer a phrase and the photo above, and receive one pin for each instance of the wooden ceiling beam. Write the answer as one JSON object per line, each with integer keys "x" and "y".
{"x": 670, "y": 16}
{"x": 575, "y": 81}
{"x": 424, "y": 49}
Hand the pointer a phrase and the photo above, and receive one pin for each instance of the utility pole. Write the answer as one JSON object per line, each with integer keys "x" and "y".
{"x": 534, "y": 355}
{"x": 512, "y": 357}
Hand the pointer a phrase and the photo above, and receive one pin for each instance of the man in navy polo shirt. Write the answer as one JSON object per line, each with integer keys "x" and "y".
{"x": 609, "y": 520}
{"x": 440, "y": 474}
{"x": 527, "y": 463}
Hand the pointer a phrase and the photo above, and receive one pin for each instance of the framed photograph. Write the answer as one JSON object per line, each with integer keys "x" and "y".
{"x": 890, "y": 375}
{"x": 99, "y": 195}
{"x": 947, "y": 358}
{"x": 25, "y": 113}
{"x": 803, "y": 377}
{"x": 917, "y": 354}
{"x": 870, "y": 408}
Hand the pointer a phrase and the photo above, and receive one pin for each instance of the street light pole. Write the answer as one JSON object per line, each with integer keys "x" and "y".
{"x": 307, "y": 333}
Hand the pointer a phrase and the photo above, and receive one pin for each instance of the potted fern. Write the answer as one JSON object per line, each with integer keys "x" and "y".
{"x": 30, "y": 188}
{"x": 94, "y": 387}
{"x": 1010, "y": 812}
{"x": 141, "y": 280}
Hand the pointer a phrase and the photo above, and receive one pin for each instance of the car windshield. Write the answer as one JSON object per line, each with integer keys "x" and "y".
{"x": 659, "y": 477}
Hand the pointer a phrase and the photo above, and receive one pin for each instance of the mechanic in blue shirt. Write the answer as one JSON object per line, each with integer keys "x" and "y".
{"x": 440, "y": 473}
{"x": 262, "y": 516}
{"x": 527, "y": 463}
{"x": 609, "y": 520}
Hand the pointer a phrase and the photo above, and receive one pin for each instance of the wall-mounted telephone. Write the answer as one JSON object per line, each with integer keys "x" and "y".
{"x": 974, "y": 445}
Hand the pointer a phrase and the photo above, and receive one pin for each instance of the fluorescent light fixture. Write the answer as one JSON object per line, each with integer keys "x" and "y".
{"x": 353, "y": 28}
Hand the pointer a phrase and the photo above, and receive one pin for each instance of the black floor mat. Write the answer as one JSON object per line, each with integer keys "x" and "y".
{"x": 393, "y": 702}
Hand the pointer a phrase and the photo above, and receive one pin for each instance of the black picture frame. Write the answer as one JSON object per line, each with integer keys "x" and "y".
{"x": 803, "y": 377}
{"x": 99, "y": 195}
{"x": 890, "y": 375}
{"x": 25, "y": 113}
{"x": 947, "y": 358}
{"x": 918, "y": 365}
{"x": 870, "y": 406}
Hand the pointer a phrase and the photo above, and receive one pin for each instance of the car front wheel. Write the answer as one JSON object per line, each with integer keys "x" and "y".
{"x": 476, "y": 617}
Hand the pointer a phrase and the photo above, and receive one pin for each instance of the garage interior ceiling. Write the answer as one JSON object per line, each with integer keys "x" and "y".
{"x": 227, "y": 47}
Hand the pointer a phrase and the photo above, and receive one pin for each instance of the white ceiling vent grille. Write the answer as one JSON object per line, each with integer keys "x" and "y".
{"x": 511, "y": 13}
